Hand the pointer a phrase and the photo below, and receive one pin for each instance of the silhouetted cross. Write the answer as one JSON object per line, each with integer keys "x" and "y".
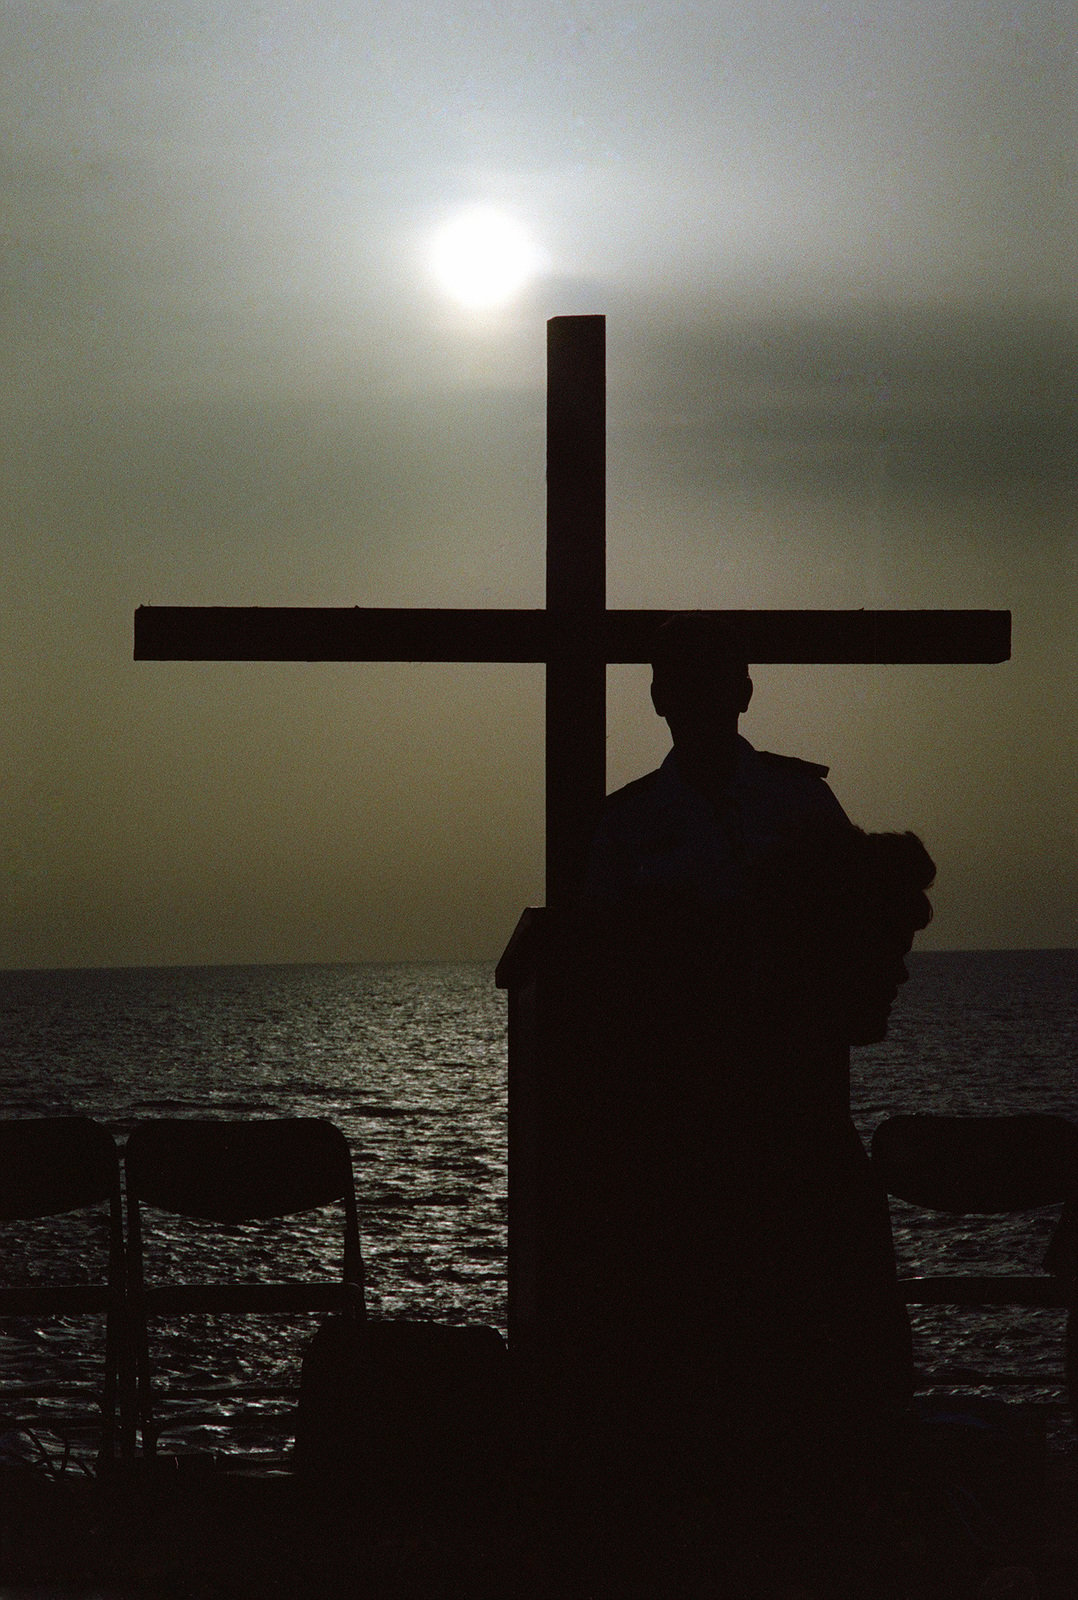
{"x": 576, "y": 636}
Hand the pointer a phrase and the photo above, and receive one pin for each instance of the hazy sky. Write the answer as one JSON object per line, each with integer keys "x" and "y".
{"x": 836, "y": 247}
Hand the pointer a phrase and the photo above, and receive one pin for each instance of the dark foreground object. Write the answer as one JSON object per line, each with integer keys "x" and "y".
{"x": 985, "y": 1510}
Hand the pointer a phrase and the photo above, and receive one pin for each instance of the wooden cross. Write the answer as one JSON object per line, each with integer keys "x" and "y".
{"x": 575, "y": 636}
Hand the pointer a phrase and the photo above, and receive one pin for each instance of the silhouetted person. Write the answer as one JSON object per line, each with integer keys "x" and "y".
{"x": 741, "y": 1334}
{"x": 689, "y": 828}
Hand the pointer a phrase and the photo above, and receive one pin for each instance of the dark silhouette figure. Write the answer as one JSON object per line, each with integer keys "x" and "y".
{"x": 688, "y": 829}
{"x": 742, "y": 1346}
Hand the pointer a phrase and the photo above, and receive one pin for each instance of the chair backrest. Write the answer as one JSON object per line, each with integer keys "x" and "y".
{"x": 978, "y": 1164}
{"x": 50, "y": 1166}
{"x": 231, "y": 1171}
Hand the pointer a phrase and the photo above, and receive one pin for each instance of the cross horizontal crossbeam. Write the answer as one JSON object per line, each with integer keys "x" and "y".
{"x": 361, "y": 633}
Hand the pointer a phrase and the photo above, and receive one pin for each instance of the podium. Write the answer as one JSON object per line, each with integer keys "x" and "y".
{"x": 553, "y": 1120}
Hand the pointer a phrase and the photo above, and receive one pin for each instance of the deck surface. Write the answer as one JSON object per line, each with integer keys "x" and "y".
{"x": 199, "y": 1533}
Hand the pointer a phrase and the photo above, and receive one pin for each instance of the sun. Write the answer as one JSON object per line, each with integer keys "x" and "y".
{"x": 482, "y": 258}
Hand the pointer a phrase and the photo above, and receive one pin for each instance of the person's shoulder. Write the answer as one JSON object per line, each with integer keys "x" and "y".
{"x": 631, "y": 793}
{"x": 789, "y": 782}
{"x": 631, "y": 809}
{"x": 793, "y": 766}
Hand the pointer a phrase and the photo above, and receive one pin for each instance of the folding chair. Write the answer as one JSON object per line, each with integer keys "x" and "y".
{"x": 51, "y": 1166}
{"x": 232, "y": 1172}
{"x": 991, "y": 1165}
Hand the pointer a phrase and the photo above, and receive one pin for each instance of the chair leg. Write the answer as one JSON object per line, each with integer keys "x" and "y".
{"x": 143, "y": 1392}
{"x": 110, "y": 1396}
{"x": 137, "y": 1339}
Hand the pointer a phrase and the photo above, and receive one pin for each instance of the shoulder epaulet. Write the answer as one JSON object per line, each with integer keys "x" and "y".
{"x": 794, "y": 764}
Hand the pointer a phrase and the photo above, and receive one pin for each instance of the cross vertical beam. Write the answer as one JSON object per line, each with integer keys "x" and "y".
{"x": 575, "y": 594}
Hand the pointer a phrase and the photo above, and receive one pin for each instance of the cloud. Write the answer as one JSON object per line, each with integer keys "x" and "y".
{"x": 938, "y": 401}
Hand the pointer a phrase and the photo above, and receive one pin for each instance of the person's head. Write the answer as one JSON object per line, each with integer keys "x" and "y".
{"x": 700, "y": 675}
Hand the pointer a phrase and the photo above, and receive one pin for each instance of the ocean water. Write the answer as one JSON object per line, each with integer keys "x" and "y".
{"x": 410, "y": 1061}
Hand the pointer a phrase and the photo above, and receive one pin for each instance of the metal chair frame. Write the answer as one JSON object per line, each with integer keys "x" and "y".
{"x": 991, "y": 1165}
{"x": 52, "y": 1166}
{"x": 230, "y": 1172}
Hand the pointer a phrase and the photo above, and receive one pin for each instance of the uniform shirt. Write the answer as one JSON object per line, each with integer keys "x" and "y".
{"x": 659, "y": 834}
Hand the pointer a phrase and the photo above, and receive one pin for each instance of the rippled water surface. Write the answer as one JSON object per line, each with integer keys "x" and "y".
{"x": 410, "y": 1060}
